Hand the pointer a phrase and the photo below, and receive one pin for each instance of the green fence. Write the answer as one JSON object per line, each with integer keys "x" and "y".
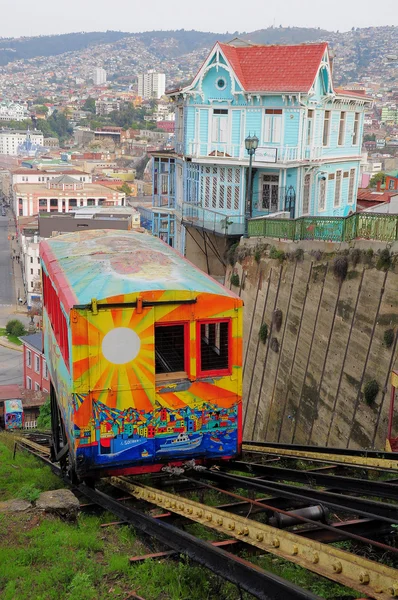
{"x": 367, "y": 226}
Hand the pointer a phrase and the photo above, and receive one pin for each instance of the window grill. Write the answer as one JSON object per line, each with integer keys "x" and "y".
{"x": 169, "y": 348}
{"x": 214, "y": 346}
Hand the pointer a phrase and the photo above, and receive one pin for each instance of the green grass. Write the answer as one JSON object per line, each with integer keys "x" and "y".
{"x": 10, "y": 337}
{"x": 24, "y": 476}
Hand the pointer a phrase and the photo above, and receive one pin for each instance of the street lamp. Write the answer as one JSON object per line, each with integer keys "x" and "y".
{"x": 251, "y": 144}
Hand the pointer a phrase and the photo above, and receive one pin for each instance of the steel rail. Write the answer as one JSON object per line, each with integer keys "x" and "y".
{"x": 362, "y": 574}
{"x": 370, "y": 459}
{"x": 307, "y": 520}
{"x": 249, "y": 577}
{"x": 352, "y": 504}
{"x": 382, "y": 489}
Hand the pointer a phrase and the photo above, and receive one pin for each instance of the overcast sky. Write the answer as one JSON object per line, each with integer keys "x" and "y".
{"x": 27, "y": 17}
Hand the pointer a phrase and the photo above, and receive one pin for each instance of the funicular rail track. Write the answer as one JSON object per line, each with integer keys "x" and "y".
{"x": 304, "y": 546}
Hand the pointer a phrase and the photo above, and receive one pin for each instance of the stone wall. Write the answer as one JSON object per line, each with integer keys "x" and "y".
{"x": 307, "y": 386}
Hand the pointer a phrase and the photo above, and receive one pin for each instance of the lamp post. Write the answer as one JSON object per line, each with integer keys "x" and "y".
{"x": 251, "y": 144}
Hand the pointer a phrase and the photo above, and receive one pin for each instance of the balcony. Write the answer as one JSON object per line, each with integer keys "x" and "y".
{"x": 210, "y": 220}
{"x": 265, "y": 154}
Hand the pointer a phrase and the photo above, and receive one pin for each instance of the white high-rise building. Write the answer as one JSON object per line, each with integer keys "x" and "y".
{"x": 151, "y": 85}
{"x": 99, "y": 76}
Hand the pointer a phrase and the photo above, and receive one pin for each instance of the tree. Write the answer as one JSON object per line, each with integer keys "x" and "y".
{"x": 125, "y": 188}
{"x": 89, "y": 105}
{"x": 376, "y": 178}
{"x": 44, "y": 420}
{"x": 41, "y": 109}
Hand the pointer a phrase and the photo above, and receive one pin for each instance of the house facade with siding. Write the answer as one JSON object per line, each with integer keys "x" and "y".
{"x": 309, "y": 150}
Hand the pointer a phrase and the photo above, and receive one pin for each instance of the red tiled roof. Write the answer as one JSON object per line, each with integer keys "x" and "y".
{"x": 26, "y": 171}
{"x": 275, "y": 68}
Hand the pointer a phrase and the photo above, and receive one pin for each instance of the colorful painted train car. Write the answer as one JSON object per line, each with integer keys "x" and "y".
{"x": 144, "y": 352}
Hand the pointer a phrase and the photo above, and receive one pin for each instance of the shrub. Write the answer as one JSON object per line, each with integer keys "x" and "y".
{"x": 276, "y": 254}
{"x": 355, "y": 257}
{"x": 388, "y": 337}
{"x": 368, "y": 256}
{"x": 263, "y": 333}
{"x": 277, "y": 319}
{"x": 340, "y": 268}
{"x": 317, "y": 254}
{"x": 298, "y": 254}
{"x": 44, "y": 418}
{"x": 15, "y": 327}
{"x": 235, "y": 279}
{"x": 384, "y": 260}
{"x": 257, "y": 255}
{"x": 274, "y": 345}
{"x": 231, "y": 254}
{"x": 370, "y": 391}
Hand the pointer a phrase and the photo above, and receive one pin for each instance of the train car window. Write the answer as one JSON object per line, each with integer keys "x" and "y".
{"x": 214, "y": 347}
{"x": 169, "y": 348}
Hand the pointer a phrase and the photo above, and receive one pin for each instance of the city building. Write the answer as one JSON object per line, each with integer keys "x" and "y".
{"x": 99, "y": 76}
{"x": 91, "y": 217}
{"x": 12, "y": 111}
{"x": 309, "y": 137}
{"x": 106, "y": 106}
{"x": 31, "y": 402}
{"x": 62, "y": 194}
{"x": 34, "y": 364}
{"x": 11, "y": 140}
{"x": 25, "y": 175}
{"x": 30, "y": 262}
{"x": 392, "y": 180}
{"x": 151, "y": 85}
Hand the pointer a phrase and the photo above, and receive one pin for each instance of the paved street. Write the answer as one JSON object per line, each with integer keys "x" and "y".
{"x": 11, "y": 370}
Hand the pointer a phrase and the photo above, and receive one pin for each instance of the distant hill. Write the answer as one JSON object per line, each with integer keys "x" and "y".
{"x": 12, "y": 49}
{"x": 168, "y": 43}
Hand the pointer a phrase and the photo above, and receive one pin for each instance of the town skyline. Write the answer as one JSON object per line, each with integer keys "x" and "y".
{"x": 221, "y": 17}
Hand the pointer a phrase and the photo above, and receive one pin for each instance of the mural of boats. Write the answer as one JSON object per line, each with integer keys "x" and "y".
{"x": 181, "y": 443}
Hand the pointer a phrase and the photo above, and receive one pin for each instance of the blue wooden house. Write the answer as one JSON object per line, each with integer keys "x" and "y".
{"x": 309, "y": 149}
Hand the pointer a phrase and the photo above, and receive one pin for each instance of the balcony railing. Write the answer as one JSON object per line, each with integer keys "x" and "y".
{"x": 277, "y": 154}
{"x": 210, "y": 220}
{"x": 367, "y": 226}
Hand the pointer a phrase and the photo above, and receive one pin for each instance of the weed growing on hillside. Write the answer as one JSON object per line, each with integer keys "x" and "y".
{"x": 235, "y": 279}
{"x": 276, "y": 254}
{"x": 370, "y": 391}
{"x": 340, "y": 268}
{"x": 263, "y": 333}
{"x": 388, "y": 337}
{"x": 384, "y": 260}
{"x": 355, "y": 256}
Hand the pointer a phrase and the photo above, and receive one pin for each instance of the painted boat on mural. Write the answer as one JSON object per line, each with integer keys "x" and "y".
{"x": 183, "y": 442}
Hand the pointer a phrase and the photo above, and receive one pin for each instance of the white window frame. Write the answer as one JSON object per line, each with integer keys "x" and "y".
{"x": 338, "y": 182}
{"x": 37, "y": 387}
{"x": 308, "y": 177}
{"x": 28, "y": 383}
{"x": 272, "y": 126}
{"x": 322, "y": 180}
{"x": 351, "y": 185}
{"x": 45, "y": 369}
{"x": 28, "y": 358}
{"x": 37, "y": 363}
{"x": 218, "y": 134}
{"x": 355, "y": 131}
{"x": 309, "y": 127}
{"x": 328, "y": 121}
{"x": 342, "y": 128}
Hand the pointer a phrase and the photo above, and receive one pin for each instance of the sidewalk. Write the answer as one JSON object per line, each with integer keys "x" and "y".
{"x": 10, "y": 345}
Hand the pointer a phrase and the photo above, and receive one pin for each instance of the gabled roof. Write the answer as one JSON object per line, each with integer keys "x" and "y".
{"x": 275, "y": 68}
{"x": 35, "y": 340}
{"x": 64, "y": 179}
